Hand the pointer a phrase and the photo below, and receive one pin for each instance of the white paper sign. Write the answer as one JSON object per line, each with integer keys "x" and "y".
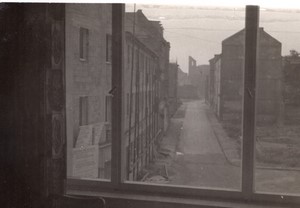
{"x": 85, "y": 162}
{"x": 85, "y": 136}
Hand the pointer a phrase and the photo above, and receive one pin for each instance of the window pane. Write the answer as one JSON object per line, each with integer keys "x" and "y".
{"x": 183, "y": 83}
{"x": 277, "y": 141}
{"x": 88, "y": 82}
{"x": 108, "y": 48}
{"x": 83, "y": 43}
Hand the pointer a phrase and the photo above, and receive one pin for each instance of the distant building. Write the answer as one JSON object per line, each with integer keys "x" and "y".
{"x": 291, "y": 73}
{"x": 231, "y": 64}
{"x": 182, "y": 78}
{"x": 185, "y": 90}
{"x": 198, "y": 76}
{"x": 291, "y": 88}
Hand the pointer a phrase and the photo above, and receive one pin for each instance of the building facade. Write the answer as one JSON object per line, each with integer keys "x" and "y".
{"x": 198, "y": 76}
{"x": 150, "y": 33}
{"x": 214, "y": 84}
{"x": 173, "y": 87}
{"x": 88, "y": 82}
{"x": 269, "y": 77}
{"x": 291, "y": 88}
{"x": 141, "y": 93}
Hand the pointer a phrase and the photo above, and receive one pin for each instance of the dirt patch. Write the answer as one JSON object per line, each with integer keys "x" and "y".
{"x": 275, "y": 145}
{"x": 159, "y": 171}
{"x": 278, "y": 146}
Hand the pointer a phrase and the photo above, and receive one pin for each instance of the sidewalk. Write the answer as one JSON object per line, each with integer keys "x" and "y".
{"x": 170, "y": 140}
{"x": 228, "y": 146}
{"x": 168, "y": 145}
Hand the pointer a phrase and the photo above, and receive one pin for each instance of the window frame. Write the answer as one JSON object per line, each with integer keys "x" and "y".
{"x": 108, "y": 48}
{"x": 245, "y": 194}
{"x": 83, "y": 43}
{"x": 83, "y": 110}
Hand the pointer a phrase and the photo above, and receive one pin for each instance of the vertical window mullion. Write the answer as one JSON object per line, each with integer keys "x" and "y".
{"x": 251, "y": 30}
{"x": 117, "y": 92}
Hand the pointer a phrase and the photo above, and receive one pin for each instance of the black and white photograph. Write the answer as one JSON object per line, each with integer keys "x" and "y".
{"x": 126, "y": 104}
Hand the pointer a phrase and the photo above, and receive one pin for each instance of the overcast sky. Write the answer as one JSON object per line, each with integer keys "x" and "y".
{"x": 198, "y": 31}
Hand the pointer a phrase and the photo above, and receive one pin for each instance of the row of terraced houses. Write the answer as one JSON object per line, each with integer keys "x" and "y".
{"x": 147, "y": 104}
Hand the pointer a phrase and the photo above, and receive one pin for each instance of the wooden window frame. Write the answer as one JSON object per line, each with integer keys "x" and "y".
{"x": 131, "y": 190}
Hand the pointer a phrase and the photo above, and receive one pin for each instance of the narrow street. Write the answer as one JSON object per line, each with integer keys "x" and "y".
{"x": 199, "y": 160}
{"x": 202, "y": 155}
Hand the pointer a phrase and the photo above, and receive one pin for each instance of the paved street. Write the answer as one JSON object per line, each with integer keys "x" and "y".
{"x": 199, "y": 160}
{"x": 202, "y": 155}
{"x": 197, "y": 135}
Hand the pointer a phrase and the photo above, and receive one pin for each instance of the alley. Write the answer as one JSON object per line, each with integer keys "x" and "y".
{"x": 199, "y": 160}
{"x": 202, "y": 155}
{"x": 197, "y": 135}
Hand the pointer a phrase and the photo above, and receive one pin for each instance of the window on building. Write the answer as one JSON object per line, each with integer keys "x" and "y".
{"x": 234, "y": 124}
{"x": 83, "y": 43}
{"x": 108, "y": 48}
{"x": 83, "y": 111}
{"x": 108, "y": 100}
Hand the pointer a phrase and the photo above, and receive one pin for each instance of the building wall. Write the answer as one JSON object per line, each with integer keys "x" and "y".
{"x": 87, "y": 78}
{"x": 291, "y": 70}
{"x": 173, "y": 80}
{"x": 215, "y": 84}
{"x": 182, "y": 78}
{"x": 269, "y": 74}
{"x": 150, "y": 33}
{"x": 198, "y": 77}
{"x": 194, "y": 73}
{"x": 291, "y": 89}
{"x": 173, "y": 87}
{"x": 141, "y": 111}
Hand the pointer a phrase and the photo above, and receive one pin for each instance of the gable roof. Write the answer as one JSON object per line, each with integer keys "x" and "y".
{"x": 239, "y": 38}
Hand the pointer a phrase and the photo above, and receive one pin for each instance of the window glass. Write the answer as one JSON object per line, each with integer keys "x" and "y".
{"x": 83, "y": 43}
{"x": 277, "y": 144}
{"x": 185, "y": 95}
{"x": 88, "y": 101}
{"x": 108, "y": 48}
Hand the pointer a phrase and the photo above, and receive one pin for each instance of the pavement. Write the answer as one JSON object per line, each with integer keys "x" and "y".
{"x": 197, "y": 152}
{"x": 192, "y": 154}
{"x": 214, "y": 141}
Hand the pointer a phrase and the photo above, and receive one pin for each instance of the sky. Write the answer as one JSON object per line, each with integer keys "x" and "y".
{"x": 198, "y": 31}
{"x": 197, "y": 27}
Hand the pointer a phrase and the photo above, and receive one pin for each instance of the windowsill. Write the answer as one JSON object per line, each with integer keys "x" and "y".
{"x": 121, "y": 199}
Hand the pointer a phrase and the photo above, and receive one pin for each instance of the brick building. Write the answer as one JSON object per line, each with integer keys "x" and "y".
{"x": 172, "y": 79}
{"x": 269, "y": 77}
{"x": 291, "y": 87}
{"x": 182, "y": 78}
{"x": 214, "y": 84}
{"x": 150, "y": 33}
{"x": 88, "y": 82}
{"x": 141, "y": 93}
{"x": 198, "y": 76}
